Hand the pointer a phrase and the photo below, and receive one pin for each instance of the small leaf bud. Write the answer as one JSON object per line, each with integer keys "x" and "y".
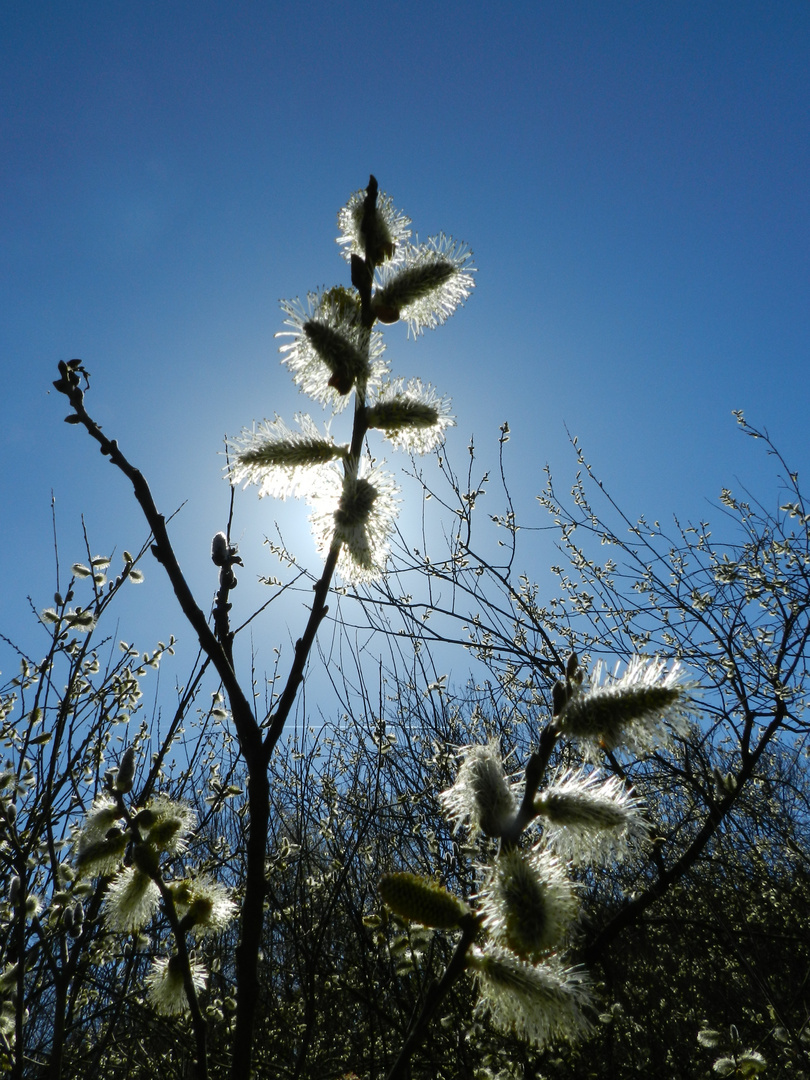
{"x": 126, "y": 771}
{"x": 219, "y": 549}
{"x": 145, "y": 819}
{"x": 386, "y": 313}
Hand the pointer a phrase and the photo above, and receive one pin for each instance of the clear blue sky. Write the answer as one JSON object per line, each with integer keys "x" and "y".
{"x": 634, "y": 179}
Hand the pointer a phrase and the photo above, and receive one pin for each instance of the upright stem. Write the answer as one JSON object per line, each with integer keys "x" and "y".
{"x": 198, "y": 1022}
{"x": 437, "y": 991}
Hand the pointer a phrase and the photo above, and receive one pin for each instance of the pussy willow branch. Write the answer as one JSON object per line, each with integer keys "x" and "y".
{"x": 198, "y": 1021}
{"x": 150, "y": 867}
{"x": 535, "y": 770}
{"x": 471, "y": 924}
{"x": 362, "y": 277}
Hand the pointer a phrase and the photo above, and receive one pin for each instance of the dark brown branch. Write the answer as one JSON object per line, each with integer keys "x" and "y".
{"x": 247, "y": 728}
{"x": 244, "y": 720}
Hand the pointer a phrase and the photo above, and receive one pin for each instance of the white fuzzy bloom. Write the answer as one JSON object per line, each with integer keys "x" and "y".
{"x": 101, "y": 817}
{"x": 281, "y": 462}
{"x": 427, "y": 286}
{"x": 528, "y": 902}
{"x": 357, "y": 508}
{"x": 481, "y": 796}
{"x": 414, "y": 417}
{"x": 391, "y": 226}
{"x": 331, "y": 352}
{"x": 101, "y": 858}
{"x": 590, "y": 820}
{"x": 33, "y": 905}
{"x": 206, "y": 901}
{"x": 164, "y": 985}
{"x": 638, "y": 711}
{"x": 131, "y": 901}
{"x": 168, "y": 823}
{"x": 80, "y": 619}
{"x": 540, "y": 1003}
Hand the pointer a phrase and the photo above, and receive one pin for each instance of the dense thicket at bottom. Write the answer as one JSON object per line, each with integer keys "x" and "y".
{"x": 705, "y": 928}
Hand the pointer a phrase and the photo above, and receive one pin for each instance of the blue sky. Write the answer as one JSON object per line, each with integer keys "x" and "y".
{"x": 632, "y": 177}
